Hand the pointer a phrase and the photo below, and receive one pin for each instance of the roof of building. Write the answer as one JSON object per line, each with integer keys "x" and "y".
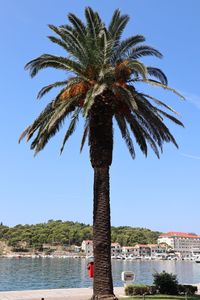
{"x": 147, "y": 245}
{"x": 128, "y": 247}
{"x": 87, "y": 241}
{"x": 180, "y": 234}
{"x": 163, "y": 245}
{"x": 115, "y": 244}
{"x": 141, "y": 245}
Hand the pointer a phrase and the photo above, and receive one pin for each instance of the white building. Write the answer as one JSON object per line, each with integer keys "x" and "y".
{"x": 147, "y": 250}
{"x": 142, "y": 250}
{"x": 127, "y": 250}
{"x": 87, "y": 247}
{"x": 158, "y": 250}
{"x": 181, "y": 242}
{"x": 115, "y": 249}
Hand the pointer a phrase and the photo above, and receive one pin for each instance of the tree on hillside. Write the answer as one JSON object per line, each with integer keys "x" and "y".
{"x": 104, "y": 72}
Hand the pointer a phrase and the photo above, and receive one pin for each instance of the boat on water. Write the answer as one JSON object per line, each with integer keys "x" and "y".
{"x": 196, "y": 255}
{"x": 197, "y": 260}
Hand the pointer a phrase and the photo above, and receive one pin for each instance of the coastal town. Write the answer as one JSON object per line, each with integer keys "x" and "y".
{"x": 169, "y": 246}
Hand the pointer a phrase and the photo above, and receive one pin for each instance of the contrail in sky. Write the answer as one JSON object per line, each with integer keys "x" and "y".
{"x": 192, "y": 98}
{"x": 191, "y": 156}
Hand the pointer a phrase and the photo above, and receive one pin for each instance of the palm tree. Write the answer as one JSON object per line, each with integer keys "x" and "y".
{"x": 104, "y": 72}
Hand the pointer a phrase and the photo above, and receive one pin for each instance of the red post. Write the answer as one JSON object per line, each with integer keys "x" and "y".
{"x": 90, "y": 268}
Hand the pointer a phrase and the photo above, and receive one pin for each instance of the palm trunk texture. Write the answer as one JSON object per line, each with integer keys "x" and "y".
{"x": 101, "y": 145}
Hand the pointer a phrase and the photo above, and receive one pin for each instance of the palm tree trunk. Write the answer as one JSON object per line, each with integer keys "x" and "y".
{"x": 103, "y": 285}
{"x": 101, "y": 145}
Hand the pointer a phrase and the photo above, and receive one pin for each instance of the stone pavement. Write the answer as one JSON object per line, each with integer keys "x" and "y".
{"x": 54, "y": 294}
{"x": 59, "y": 294}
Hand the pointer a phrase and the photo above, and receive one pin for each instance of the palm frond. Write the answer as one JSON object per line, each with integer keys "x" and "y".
{"x": 95, "y": 90}
{"x": 47, "y": 123}
{"x": 39, "y": 125}
{"x": 41, "y": 119}
{"x": 107, "y": 47}
{"x": 57, "y": 62}
{"x": 125, "y": 46}
{"x": 144, "y": 50}
{"x": 85, "y": 134}
{"x": 157, "y": 73}
{"x": 74, "y": 50}
{"x": 47, "y": 88}
{"x": 99, "y": 21}
{"x": 142, "y": 135}
{"x": 23, "y": 134}
{"x": 68, "y": 83}
{"x": 117, "y": 25}
{"x": 59, "y": 42}
{"x": 149, "y": 116}
{"x": 89, "y": 100}
{"x": 149, "y": 125}
{"x": 126, "y": 96}
{"x": 94, "y": 24}
{"x": 125, "y": 134}
{"x": 155, "y": 83}
{"x": 106, "y": 74}
{"x": 79, "y": 26}
{"x": 42, "y": 139}
{"x": 114, "y": 20}
{"x": 158, "y": 102}
{"x": 70, "y": 41}
{"x": 172, "y": 118}
{"x": 71, "y": 128}
{"x": 50, "y": 126}
{"x": 138, "y": 67}
{"x": 58, "y": 114}
{"x": 68, "y": 27}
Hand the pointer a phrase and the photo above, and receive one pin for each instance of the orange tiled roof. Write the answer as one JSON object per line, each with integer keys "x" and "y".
{"x": 179, "y": 234}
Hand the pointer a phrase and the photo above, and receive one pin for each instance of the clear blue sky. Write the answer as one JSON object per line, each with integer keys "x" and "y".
{"x": 157, "y": 194}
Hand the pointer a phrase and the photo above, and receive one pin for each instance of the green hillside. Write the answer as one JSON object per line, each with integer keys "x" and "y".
{"x": 69, "y": 233}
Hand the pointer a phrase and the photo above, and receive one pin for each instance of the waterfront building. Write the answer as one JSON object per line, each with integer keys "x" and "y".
{"x": 115, "y": 249}
{"x": 157, "y": 249}
{"x": 184, "y": 243}
{"x": 142, "y": 250}
{"x": 149, "y": 250}
{"x": 128, "y": 250}
{"x": 87, "y": 247}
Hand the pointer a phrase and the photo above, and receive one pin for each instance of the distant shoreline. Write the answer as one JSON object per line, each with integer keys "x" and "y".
{"x": 19, "y": 255}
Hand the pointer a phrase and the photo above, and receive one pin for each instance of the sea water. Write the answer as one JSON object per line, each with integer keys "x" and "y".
{"x": 48, "y": 273}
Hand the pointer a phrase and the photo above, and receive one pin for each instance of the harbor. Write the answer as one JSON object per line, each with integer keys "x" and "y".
{"x": 59, "y": 273}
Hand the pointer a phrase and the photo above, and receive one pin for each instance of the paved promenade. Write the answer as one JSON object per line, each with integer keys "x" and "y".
{"x": 59, "y": 294}
{"x": 54, "y": 294}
